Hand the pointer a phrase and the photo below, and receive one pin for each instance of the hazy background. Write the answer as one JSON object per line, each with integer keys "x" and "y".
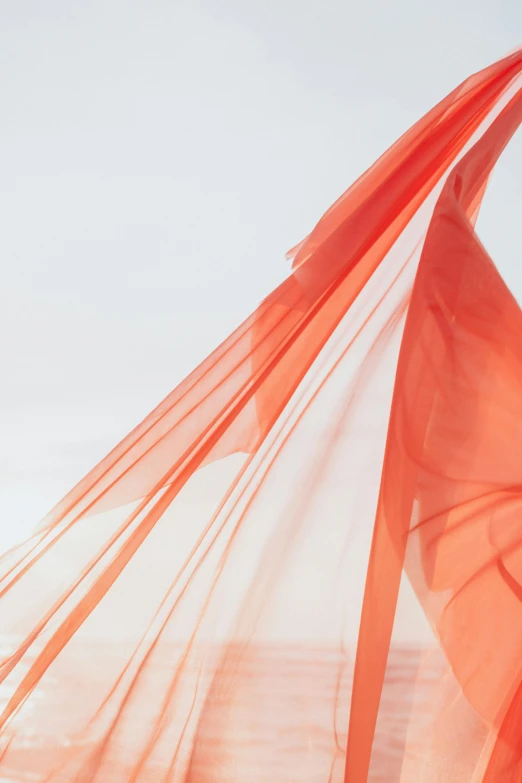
{"x": 157, "y": 160}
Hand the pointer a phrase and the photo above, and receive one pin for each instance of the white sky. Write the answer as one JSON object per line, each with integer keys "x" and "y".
{"x": 157, "y": 160}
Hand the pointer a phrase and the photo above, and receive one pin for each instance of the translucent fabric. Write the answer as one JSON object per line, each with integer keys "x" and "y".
{"x": 304, "y": 564}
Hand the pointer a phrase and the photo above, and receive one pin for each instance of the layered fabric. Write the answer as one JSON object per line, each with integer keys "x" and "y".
{"x": 304, "y": 564}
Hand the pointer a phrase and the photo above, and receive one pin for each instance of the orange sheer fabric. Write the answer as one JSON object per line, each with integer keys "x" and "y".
{"x": 229, "y": 591}
{"x": 448, "y": 508}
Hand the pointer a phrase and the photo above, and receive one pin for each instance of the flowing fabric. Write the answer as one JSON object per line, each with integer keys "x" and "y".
{"x": 306, "y": 563}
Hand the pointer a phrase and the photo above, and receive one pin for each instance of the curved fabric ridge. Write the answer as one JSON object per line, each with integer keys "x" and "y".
{"x": 449, "y": 466}
{"x": 315, "y": 527}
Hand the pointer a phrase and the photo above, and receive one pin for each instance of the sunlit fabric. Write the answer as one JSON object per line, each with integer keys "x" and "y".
{"x": 305, "y": 564}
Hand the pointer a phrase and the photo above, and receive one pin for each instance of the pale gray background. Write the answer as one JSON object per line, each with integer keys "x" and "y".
{"x": 157, "y": 160}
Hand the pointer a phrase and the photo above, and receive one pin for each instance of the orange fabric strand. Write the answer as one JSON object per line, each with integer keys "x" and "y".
{"x": 448, "y": 463}
{"x": 304, "y": 565}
